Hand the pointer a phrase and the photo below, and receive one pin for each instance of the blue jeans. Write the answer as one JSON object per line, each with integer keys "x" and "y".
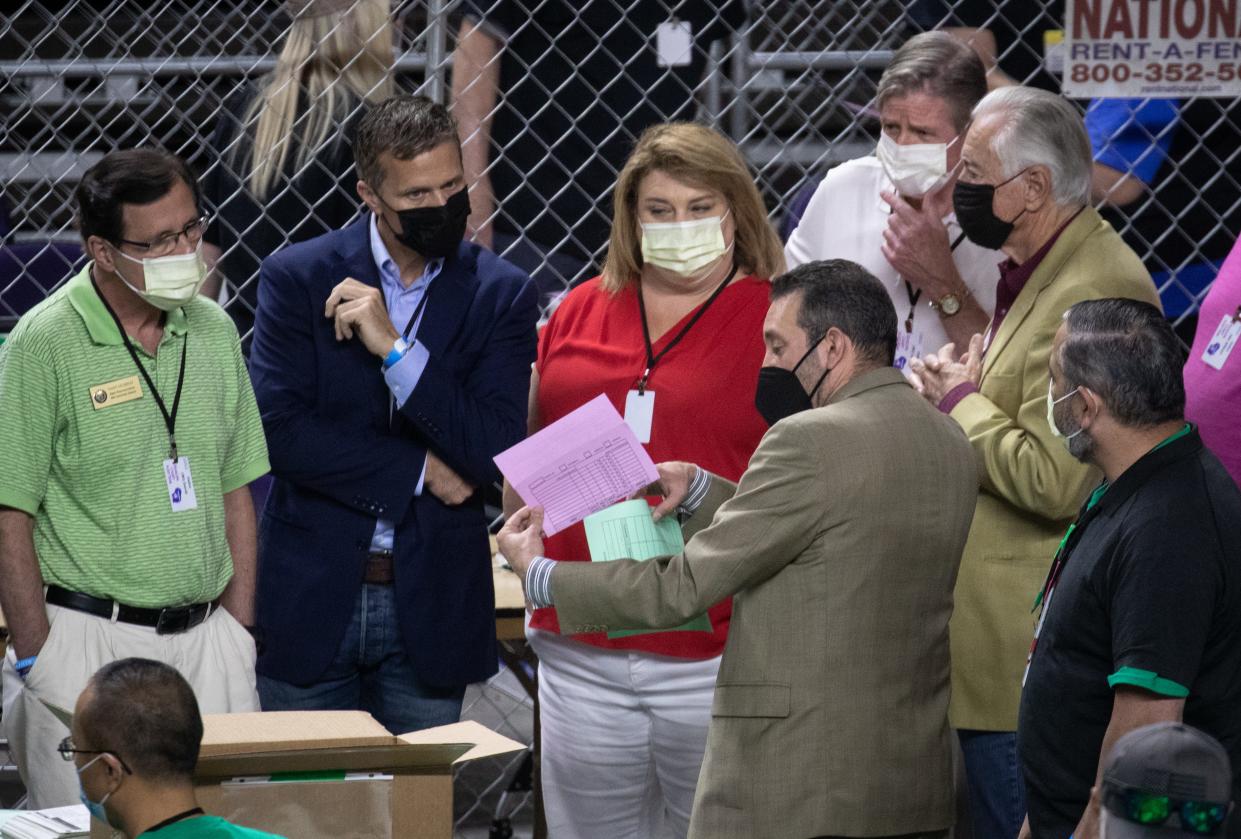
{"x": 371, "y": 672}
{"x": 997, "y": 792}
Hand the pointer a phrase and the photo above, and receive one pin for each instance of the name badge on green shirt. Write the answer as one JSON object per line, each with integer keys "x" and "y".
{"x": 115, "y": 392}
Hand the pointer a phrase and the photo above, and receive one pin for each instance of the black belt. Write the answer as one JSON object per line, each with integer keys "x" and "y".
{"x": 167, "y": 621}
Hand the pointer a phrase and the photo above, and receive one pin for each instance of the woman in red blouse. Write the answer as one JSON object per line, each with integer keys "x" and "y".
{"x": 677, "y": 317}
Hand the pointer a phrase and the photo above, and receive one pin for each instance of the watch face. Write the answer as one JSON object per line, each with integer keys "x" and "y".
{"x": 949, "y": 304}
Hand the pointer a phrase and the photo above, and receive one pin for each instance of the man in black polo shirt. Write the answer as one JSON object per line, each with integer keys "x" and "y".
{"x": 1140, "y": 615}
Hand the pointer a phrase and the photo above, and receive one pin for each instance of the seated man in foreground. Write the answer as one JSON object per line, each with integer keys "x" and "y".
{"x": 136, "y": 731}
{"x": 841, "y": 545}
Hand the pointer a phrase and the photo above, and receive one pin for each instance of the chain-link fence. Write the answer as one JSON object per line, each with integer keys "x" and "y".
{"x": 550, "y": 96}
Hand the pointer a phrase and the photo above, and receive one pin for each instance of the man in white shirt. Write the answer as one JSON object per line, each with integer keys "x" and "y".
{"x": 891, "y": 212}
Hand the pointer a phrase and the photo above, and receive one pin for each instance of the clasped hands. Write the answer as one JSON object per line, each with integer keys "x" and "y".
{"x": 359, "y": 310}
{"x": 521, "y": 538}
{"x": 935, "y": 376}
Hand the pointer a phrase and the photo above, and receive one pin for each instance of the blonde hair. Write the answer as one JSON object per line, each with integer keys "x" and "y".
{"x": 702, "y": 156}
{"x": 333, "y": 60}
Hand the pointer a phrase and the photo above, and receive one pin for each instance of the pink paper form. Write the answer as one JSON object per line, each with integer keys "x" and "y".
{"x": 581, "y": 463}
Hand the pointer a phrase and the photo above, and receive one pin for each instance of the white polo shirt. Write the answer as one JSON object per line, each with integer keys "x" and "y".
{"x": 846, "y": 219}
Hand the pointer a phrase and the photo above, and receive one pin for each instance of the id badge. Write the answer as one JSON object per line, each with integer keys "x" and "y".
{"x": 180, "y": 484}
{"x": 640, "y": 413}
{"x": 908, "y": 347}
{"x": 1221, "y": 343}
{"x": 674, "y": 44}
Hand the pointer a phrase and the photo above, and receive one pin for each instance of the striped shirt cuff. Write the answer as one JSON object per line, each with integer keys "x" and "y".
{"x": 539, "y": 581}
{"x": 697, "y": 492}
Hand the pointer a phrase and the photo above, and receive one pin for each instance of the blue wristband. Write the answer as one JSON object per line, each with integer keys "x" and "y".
{"x": 22, "y": 666}
{"x": 399, "y": 347}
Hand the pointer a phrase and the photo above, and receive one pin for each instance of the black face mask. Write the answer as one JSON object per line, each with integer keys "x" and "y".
{"x": 973, "y": 205}
{"x": 780, "y": 394}
{"x": 434, "y": 232}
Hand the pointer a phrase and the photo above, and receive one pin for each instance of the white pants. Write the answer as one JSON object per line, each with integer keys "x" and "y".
{"x": 216, "y": 658}
{"x": 623, "y": 734}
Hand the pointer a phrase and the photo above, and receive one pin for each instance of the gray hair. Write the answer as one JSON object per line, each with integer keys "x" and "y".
{"x": 939, "y": 64}
{"x": 1126, "y": 352}
{"x": 1041, "y": 128}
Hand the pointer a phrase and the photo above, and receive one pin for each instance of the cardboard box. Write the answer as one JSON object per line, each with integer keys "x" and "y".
{"x": 330, "y": 774}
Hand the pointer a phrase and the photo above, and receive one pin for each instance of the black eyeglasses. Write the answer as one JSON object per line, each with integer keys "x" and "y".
{"x": 166, "y": 244}
{"x": 1142, "y": 807}
{"x": 68, "y": 750}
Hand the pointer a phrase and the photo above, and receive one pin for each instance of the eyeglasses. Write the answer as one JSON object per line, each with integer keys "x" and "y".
{"x": 1141, "y": 807}
{"x": 166, "y": 244}
{"x": 67, "y": 750}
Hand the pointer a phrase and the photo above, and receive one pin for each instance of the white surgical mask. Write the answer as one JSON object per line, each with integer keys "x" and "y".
{"x": 685, "y": 247}
{"x": 1051, "y": 415}
{"x": 916, "y": 169}
{"x": 171, "y": 281}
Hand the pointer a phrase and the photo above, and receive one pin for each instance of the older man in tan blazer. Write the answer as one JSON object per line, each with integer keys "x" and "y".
{"x": 840, "y": 544}
{"x": 1023, "y": 188}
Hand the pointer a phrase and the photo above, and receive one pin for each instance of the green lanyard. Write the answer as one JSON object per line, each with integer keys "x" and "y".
{"x": 1095, "y": 497}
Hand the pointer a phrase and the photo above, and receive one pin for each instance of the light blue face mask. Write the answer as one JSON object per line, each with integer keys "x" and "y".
{"x": 95, "y": 808}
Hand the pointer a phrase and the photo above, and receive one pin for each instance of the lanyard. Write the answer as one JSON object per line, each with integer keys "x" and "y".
{"x": 170, "y": 418}
{"x": 651, "y": 358}
{"x": 193, "y": 811}
{"x": 422, "y": 304}
{"x": 915, "y": 296}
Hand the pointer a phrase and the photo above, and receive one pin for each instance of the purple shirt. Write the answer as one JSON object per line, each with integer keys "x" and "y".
{"x": 1013, "y": 279}
{"x": 1213, "y": 397}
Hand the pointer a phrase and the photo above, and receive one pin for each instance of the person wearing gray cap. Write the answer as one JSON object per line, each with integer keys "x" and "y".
{"x": 1166, "y": 779}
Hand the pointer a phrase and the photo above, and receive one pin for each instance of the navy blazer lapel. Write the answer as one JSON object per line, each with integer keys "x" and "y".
{"x": 354, "y": 252}
{"x": 448, "y": 300}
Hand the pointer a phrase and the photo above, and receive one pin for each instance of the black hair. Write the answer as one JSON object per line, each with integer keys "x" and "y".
{"x": 130, "y": 176}
{"x": 1126, "y": 352}
{"x": 843, "y": 294}
{"x": 145, "y": 712}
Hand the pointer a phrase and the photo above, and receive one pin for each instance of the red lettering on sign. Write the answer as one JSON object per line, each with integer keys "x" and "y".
{"x": 1189, "y": 27}
{"x": 1223, "y": 19}
{"x": 1118, "y": 23}
{"x": 1086, "y": 18}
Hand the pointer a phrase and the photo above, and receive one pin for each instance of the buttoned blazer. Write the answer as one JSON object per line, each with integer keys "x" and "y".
{"x": 342, "y": 457}
{"x": 841, "y": 546}
{"x": 1030, "y": 487}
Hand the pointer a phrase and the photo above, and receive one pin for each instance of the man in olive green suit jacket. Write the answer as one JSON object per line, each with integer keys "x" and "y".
{"x": 840, "y": 545}
{"x": 1061, "y": 252}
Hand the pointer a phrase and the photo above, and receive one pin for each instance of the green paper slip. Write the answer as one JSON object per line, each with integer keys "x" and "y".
{"x": 627, "y": 531}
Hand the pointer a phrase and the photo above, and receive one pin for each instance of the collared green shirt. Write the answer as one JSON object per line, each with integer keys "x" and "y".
{"x": 84, "y": 445}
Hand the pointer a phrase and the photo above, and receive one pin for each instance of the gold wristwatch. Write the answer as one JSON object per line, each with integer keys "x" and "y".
{"x": 948, "y": 305}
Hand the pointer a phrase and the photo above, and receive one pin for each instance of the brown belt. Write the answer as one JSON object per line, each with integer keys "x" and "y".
{"x": 379, "y": 568}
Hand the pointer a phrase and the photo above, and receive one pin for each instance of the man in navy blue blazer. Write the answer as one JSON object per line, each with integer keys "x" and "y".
{"x": 391, "y": 362}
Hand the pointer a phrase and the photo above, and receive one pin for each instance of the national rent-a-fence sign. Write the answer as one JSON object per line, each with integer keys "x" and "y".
{"x": 1152, "y": 48}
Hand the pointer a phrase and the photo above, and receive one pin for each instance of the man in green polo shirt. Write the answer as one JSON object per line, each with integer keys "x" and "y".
{"x": 135, "y": 738}
{"x": 130, "y": 434}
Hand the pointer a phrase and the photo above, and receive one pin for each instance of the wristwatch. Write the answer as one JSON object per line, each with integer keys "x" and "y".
{"x": 948, "y": 305}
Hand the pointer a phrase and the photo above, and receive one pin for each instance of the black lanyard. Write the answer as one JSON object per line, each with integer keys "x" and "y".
{"x": 915, "y": 296}
{"x": 651, "y": 358}
{"x": 193, "y": 811}
{"x": 422, "y": 304}
{"x": 170, "y": 419}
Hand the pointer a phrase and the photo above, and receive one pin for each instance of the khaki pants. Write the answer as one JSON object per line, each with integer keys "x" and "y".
{"x": 216, "y": 658}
